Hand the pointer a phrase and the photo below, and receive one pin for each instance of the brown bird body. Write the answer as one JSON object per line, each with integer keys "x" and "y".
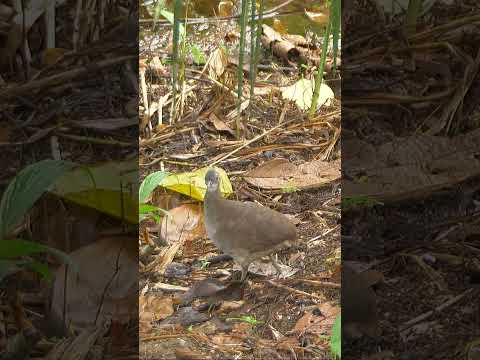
{"x": 244, "y": 230}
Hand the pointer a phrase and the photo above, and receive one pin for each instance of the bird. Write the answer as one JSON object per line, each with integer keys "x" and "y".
{"x": 244, "y": 230}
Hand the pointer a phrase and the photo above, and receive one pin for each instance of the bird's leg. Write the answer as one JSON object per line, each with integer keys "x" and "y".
{"x": 275, "y": 265}
{"x": 244, "y": 272}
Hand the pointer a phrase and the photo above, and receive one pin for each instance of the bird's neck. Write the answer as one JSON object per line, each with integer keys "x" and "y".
{"x": 212, "y": 196}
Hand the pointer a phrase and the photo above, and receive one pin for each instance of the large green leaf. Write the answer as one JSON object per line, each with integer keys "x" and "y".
{"x": 14, "y": 248}
{"x": 149, "y": 184}
{"x": 10, "y": 267}
{"x": 11, "y": 250}
{"x": 41, "y": 269}
{"x": 111, "y": 188}
{"x": 26, "y": 188}
{"x": 145, "y": 211}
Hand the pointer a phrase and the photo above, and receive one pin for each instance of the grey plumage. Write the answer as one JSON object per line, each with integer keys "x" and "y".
{"x": 244, "y": 230}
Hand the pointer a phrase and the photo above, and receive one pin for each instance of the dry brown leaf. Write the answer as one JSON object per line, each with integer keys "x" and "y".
{"x": 185, "y": 223}
{"x": 281, "y": 174}
{"x": 317, "y": 17}
{"x": 219, "y": 124}
{"x": 272, "y": 169}
{"x": 217, "y": 63}
{"x": 154, "y": 308}
{"x": 225, "y": 8}
{"x": 187, "y": 354}
{"x": 279, "y": 27}
{"x": 410, "y": 167}
{"x": 51, "y": 56}
{"x": 317, "y": 324}
{"x": 110, "y": 285}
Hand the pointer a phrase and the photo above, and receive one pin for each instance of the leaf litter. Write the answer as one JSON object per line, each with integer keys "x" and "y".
{"x": 282, "y": 161}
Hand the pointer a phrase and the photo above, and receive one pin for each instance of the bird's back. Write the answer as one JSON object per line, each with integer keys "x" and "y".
{"x": 246, "y": 228}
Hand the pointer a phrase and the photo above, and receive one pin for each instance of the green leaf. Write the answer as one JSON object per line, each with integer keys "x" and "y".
{"x": 111, "y": 188}
{"x": 147, "y": 209}
{"x": 9, "y": 267}
{"x": 41, "y": 269}
{"x": 170, "y": 18}
{"x": 150, "y": 183}
{"x": 14, "y": 248}
{"x": 26, "y": 188}
{"x": 198, "y": 55}
{"x": 336, "y": 338}
{"x": 10, "y": 249}
{"x": 159, "y": 7}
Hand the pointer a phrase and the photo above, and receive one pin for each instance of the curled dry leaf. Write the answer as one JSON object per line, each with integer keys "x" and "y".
{"x": 219, "y": 124}
{"x": 317, "y": 17}
{"x": 302, "y": 93}
{"x": 317, "y": 324}
{"x": 51, "y": 56}
{"x": 153, "y": 308}
{"x": 184, "y": 223}
{"x": 217, "y": 63}
{"x": 281, "y": 174}
{"x": 225, "y": 8}
{"x": 109, "y": 285}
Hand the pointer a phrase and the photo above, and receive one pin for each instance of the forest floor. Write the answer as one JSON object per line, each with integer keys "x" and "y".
{"x": 267, "y": 317}
{"x": 410, "y": 130}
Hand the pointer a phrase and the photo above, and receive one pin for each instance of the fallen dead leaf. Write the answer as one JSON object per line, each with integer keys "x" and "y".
{"x": 225, "y": 8}
{"x": 185, "y": 223}
{"x": 219, "y": 124}
{"x": 109, "y": 285}
{"x": 154, "y": 308}
{"x": 317, "y": 324}
{"x": 217, "y": 63}
{"x": 281, "y": 174}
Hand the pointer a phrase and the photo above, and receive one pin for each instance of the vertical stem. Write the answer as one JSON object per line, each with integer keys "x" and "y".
{"x": 321, "y": 66}
{"x": 241, "y": 56}
{"x": 412, "y": 16}
{"x": 253, "y": 57}
{"x": 259, "y": 35}
{"x": 176, "y": 40}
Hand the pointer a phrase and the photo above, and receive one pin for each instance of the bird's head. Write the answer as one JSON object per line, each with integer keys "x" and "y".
{"x": 212, "y": 180}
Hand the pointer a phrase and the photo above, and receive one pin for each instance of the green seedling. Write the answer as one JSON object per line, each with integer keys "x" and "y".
{"x": 354, "y": 201}
{"x": 248, "y": 319}
{"x": 289, "y": 189}
{"x": 204, "y": 264}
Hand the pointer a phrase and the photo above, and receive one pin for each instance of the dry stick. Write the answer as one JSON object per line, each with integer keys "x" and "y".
{"x": 98, "y": 141}
{"x": 439, "y": 308}
{"x": 11, "y": 91}
{"x": 250, "y": 141}
{"x": 145, "y": 96}
{"x": 328, "y": 284}
{"x": 167, "y": 336}
{"x": 288, "y": 288}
